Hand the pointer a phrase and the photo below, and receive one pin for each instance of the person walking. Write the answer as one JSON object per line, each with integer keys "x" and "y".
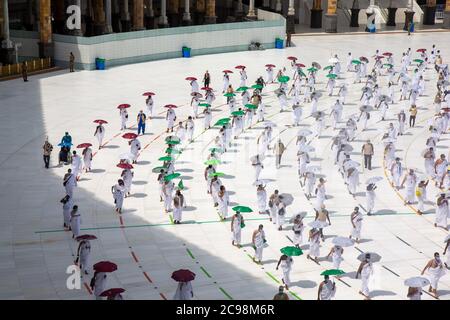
{"x": 278, "y": 149}
{"x": 25, "y": 71}
{"x": 281, "y": 295}
{"x": 72, "y": 62}
{"x": 367, "y": 151}
{"x": 47, "y": 151}
{"x": 141, "y": 117}
{"x": 412, "y": 115}
{"x": 206, "y": 79}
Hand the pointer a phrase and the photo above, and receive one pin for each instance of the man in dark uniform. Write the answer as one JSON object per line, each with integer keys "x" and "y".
{"x": 206, "y": 79}
{"x": 24, "y": 71}
{"x": 72, "y": 62}
{"x": 141, "y": 122}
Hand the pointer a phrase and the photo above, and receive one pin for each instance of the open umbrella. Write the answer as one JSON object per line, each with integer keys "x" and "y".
{"x": 366, "y": 108}
{"x": 222, "y": 122}
{"x": 333, "y": 60}
{"x": 206, "y": 105}
{"x": 227, "y": 71}
{"x": 207, "y": 88}
{"x": 229, "y": 94}
{"x": 123, "y": 106}
{"x": 105, "y": 266}
{"x": 313, "y": 169}
{"x": 316, "y": 224}
{"x": 419, "y": 61}
{"x": 180, "y": 185}
{"x": 242, "y": 209}
{"x": 148, "y": 94}
{"x": 417, "y": 282}
{"x": 301, "y": 73}
{"x": 304, "y": 132}
{"x": 191, "y": 78}
{"x": 112, "y": 292}
{"x": 257, "y": 86}
{"x": 316, "y": 65}
{"x": 306, "y": 148}
{"x": 373, "y": 257}
{"x": 125, "y": 166}
{"x": 261, "y": 182}
{"x": 172, "y": 176}
{"x": 421, "y": 50}
{"x": 183, "y": 275}
{"x": 343, "y": 241}
{"x": 316, "y": 94}
{"x": 212, "y": 162}
{"x": 312, "y": 69}
{"x": 242, "y": 89}
{"x": 318, "y": 114}
{"x": 251, "y": 106}
{"x": 300, "y": 65}
{"x": 130, "y": 135}
{"x": 99, "y": 121}
{"x": 196, "y": 94}
{"x": 172, "y": 138}
{"x": 270, "y": 65}
{"x": 84, "y": 145}
{"x": 287, "y": 199}
{"x": 332, "y": 272}
{"x": 374, "y": 180}
{"x": 346, "y": 147}
{"x": 269, "y": 124}
{"x": 388, "y": 65}
{"x": 170, "y": 106}
{"x": 238, "y": 113}
{"x": 158, "y": 169}
{"x": 216, "y": 174}
{"x": 351, "y": 164}
{"x": 328, "y": 68}
{"x": 215, "y": 149}
{"x": 283, "y": 79}
{"x": 363, "y": 59}
{"x": 86, "y": 237}
{"x": 331, "y": 76}
{"x": 384, "y": 97}
{"x": 166, "y": 158}
{"x": 292, "y": 58}
{"x": 240, "y": 67}
{"x": 387, "y": 54}
{"x": 355, "y": 61}
{"x": 291, "y": 251}
{"x": 172, "y": 142}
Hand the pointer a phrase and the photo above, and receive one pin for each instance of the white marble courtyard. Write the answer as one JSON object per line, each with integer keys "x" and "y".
{"x": 147, "y": 247}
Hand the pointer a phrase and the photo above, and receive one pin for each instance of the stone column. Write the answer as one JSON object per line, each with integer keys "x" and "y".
{"x": 446, "y": 24}
{"x": 278, "y": 6}
{"x": 163, "y": 18}
{"x": 8, "y": 54}
{"x": 331, "y": 17}
{"x": 149, "y": 15}
{"x": 266, "y": 4}
{"x": 210, "y": 17}
{"x": 290, "y": 21}
{"x": 186, "y": 15}
{"x": 46, "y": 47}
{"x": 239, "y": 11}
{"x": 2, "y": 21}
{"x": 99, "y": 17}
{"x": 29, "y": 17}
{"x": 354, "y": 21}
{"x": 115, "y": 16}
{"x": 108, "y": 16}
{"x": 138, "y": 15}
{"x": 59, "y": 16}
{"x": 173, "y": 14}
{"x": 125, "y": 16}
{"x": 316, "y": 15}
{"x": 251, "y": 10}
{"x": 36, "y": 10}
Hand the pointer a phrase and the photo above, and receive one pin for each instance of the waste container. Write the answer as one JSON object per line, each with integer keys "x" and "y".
{"x": 186, "y": 52}
{"x": 279, "y": 43}
{"x": 100, "y": 63}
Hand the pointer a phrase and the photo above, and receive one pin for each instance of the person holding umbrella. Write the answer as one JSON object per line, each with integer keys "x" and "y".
{"x": 75, "y": 221}
{"x": 135, "y": 147}
{"x": 435, "y": 272}
{"x": 258, "y": 241}
{"x": 98, "y": 284}
{"x": 309, "y": 181}
{"x": 87, "y": 158}
{"x": 237, "y": 223}
{"x": 184, "y": 291}
{"x": 281, "y": 213}
{"x": 127, "y": 177}
{"x": 99, "y": 134}
{"x": 83, "y": 252}
{"x": 327, "y": 289}
{"x": 170, "y": 117}
{"x": 243, "y": 75}
{"x": 396, "y": 172}
{"x": 286, "y": 263}
{"x": 273, "y": 206}
{"x": 150, "y": 104}
{"x": 370, "y": 197}
{"x": 366, "y": 271}
{"x": 123, "y": 118}
{"x": 356, "y": 219}
{"x": 214, "y": 189}
{"x": 67, "y": 207}
{"x": 320, "y": 193}
{"x": 118, "y": 192}
{"x": 269, "y": 71}
{"x": 298, "y": 228}
{"x": 314, "y": 245}
{"x": 168, "y": 187}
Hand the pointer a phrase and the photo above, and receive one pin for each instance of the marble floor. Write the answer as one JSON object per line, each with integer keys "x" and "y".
{"x": 35, "y": 251}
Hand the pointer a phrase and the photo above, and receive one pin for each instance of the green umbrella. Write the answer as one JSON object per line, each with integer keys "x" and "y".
{"x": 332, "y": 76}
{"x": 332, "y": 272}
{"x": 356, "y": 61}
{"x": 328, "y": 68}
{"x": 216, "y": 150}
{"x": 166, "y": 158}
{"x": 312, "y": 69}
{"x": 291, "y": 251}
{"x": 388, "y": 65}
{"x": 257, "y": 86}
{"x": 216, "y": 174}
{"x": 212, "y": 162}
{"x": 242, "y": 209}
{"x": 251, "y": 106}
{"x": 181, "y": 185}
{"x": 172, "y": 138}
{"x": 207, "y": 105}
{"x": 172, "y": 151}
{"x": 418, "y": 61}
{"x": 229, "y": 94}
{"x": 172, "y": 142}
{"x": 158, "y": 169}
{"x": 172, "y": 176}
{"x": 238, "y": 113}
{"x": 222, "y": 122}
{"x": 283, "y": 79}
{"x": 242, "y": 89}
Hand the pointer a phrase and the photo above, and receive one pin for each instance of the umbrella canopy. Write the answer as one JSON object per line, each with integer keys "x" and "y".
{"x": 158, "y": 169}
{"x": 292, "y": 58}
{"x": 123, "y": 106}
{"x": 206, "y": 88}
{"x": 316, "y": 65}
{"x": 183, "y": 275}
{"x": 283, "y": 79}
{"x": 86, "y": 237}
{"x": 318, "y": 114}
{"x": 180, "y": 185}
{"x": 238, "y": 113}
{"x": 216, "y": 174}
{"x": 366, "y": 108}
{"x": 126, "y": 156}
{"x": 251, "y": 106}
{"x": 100, "y": 121}
{"x": 148, "y": 94}
{"x": 363, "y": 59}
{"x": 130, "y": 135}
{"x": 346, "y": 147}
{"x": 343, "y": 241}
{"x": 388, "y": 65}
{"x": 242, "y": 89}
{"x": 332, "y": 272}
{"x": 215, "y": 149}
{"x": 84, "y": 145}
{"x": 227, "y": 71}
{"x": 269, "y": 124}
{"x": 170, "y": 106}
{"x": 387, "y": 54}
{"x": 173, "y": 142}
{"x": 328, "y": 68}
{"x": 374, "y": 257}
{"x": 300, "y": 72}
{"x": 287, "y": 199}
{"x": 386, "y": 98}
{"x": 213, "y": 162}
{"x": 312, "y": 69}
{"x": 222, "y": 122}
{"x": 166, "y": 158}
{"x": 191, "y": 78}
{"x": 206, "y": 105}
{"x": 316, "y": 94}
{"x": 331, "y": 76}
{"x": 229, "y": 94}
{"x": 304, "y": 132}
{"x": 105, "y": 266}
{"x": 421, "y": 50}
{"x": 242, "y": 209}
{"x": 419, "y": 61}
{"x": 270, "y": 65}
{"x": 240, "y": 67}
{"x": 300, "y": 65}
{"x": 306, "y": 148}
{"x": 172, "y": 138}
{"x": 316, "y": 224}
{"x": 125, "y": 166}
{"x": 257, "y": 86}
{"x": 291, "y": 251}
{"x": 379, "y": 57}
{"x": 333, "y": 60}
{"x": 417, "y": 282}
{"x": 447, "y": 238}
{"x": 172, "y": 176}
{"x": 196, "y": 94}
{"x": 313, "y": 169}
{"x": 351, "y": 164}
{"x": 261, "y": 182}
{"x": 374, "y": 180}
{"x": 112, "y": 292}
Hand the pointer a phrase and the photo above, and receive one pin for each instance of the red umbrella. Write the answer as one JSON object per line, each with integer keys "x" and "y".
{"x": 270, "y": 65}
{"x": 111, "y": 292}
{"x": 445, "y": 109}
{"x": 292, "y": 58}
{"x": 206, "y": 88}
{"x": 227, "y": 71}
{"x": 388, "y": 54}
{"x": 147, "y": 94}
{"x": 100, "y": 121}
{"x": 129, "y": 135}
{"x": 183, "y": 275}
{"x": 240, "y": 67}
{"x": 191, "y": 78}
{"x": 421, "y": 50}
{"x": 105, "y": 266}
{"x": 196, "y": 94}
{"x": 84, "y": 145}
{"x": 379, "y": 57}
{"x": 170, "y": 106}
{"x": 300, "y": 65}
{"x": 86, "y": 237}
{"x": 125, "y": 166}
{"x": 123, "y": 106}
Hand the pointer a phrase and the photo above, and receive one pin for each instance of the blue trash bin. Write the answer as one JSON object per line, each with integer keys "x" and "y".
{"x": 279, "y": 43}
{"x": 186, "y": 52}
{"x": 100, "y": 63}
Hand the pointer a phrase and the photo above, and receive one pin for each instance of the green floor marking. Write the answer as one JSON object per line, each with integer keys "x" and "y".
{"x": 225, "y": 293}
{"x": 273, "y": 278}
{"x": 190, "y": 253}
{"x": 204, "y": 270}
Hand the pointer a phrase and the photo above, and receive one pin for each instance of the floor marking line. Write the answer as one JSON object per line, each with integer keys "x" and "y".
{"x": 134, "y": 257}
{"x": 225, "y": 293}
{"x": 163, "y": 296}
{"x": 272, "y": 277}
{"x": 147, "y": 276}
{"x": 343, "y": 282}
{"x": 87, "y": 287}
{"x": 206, "y": 272}
{"x": 295, "y": 295}
{"x": 190, "y": 253}
{"x": 391, "y": 271}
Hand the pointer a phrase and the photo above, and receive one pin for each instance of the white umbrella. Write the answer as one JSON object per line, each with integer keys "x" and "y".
{"x": 385, "y": 98}
{"x": 366, "y": 108}
{"x": 373, "y": 180}
{"x": 269, "y": 124}
{"x": 346, "y": 147}
{"x": 333, "y": 60}
{"x": 447, "y": 238}
{"x": 417, "y": 282}
{"x": 254, "y": 158}
{"x": 304, "y": 132}
{"x": 316, "y": 94}
{"x": 313, "y": 169}
{"x": 389, "y": 140}
{"x": 424, "y": 177}
{"x": 301, "y": 214}
{"x": 374, "y": 257}
{"x": 351, "y": 164}
{"x": 343, "y": 241}
{"x": 261, "y": 182}
{"x": 318, "y": 114}
{"x": 316, "y": 224}
{"x": 287, "y": 198}
{"x": 306, "y": 148}
{"x": 366, "y": 89}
